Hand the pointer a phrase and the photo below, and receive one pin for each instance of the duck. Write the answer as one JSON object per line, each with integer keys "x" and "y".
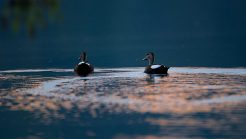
{"x": 154, "y": 68}
{"x": 83, "y": 68}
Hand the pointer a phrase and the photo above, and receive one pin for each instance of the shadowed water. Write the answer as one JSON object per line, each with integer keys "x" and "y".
{"x": 123, "y": 103}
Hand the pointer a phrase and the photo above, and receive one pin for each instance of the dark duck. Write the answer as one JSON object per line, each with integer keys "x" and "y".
{"x": 154, "y": 69}
{"x": 83, "y": 68}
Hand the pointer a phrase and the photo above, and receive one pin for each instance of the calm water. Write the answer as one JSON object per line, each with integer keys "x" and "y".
{"x": 121, "y": 103}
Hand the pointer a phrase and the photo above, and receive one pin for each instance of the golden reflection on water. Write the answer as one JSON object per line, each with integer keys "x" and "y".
{"x": 188, "y": 99}
{"x": 175, "y": 93}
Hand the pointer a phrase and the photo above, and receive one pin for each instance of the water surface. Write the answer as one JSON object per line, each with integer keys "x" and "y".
{"x": 120, "y": 103}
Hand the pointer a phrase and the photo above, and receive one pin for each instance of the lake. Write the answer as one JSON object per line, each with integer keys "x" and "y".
{"x": 123, "y": 103}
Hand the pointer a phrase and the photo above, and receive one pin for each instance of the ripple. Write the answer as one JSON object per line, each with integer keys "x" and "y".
{"x": 180, "y": 104}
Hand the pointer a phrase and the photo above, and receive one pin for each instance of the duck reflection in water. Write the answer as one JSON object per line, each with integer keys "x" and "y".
{"x": 153, "y": 78}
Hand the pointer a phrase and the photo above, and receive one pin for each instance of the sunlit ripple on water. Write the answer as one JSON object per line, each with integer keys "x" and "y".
{"x": 182, "y": 93}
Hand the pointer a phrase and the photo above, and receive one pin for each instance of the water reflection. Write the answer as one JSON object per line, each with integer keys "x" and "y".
{"x": 167, "y": 104}
{"x": 30, "y": 14}
{"x": 155, "y": 78}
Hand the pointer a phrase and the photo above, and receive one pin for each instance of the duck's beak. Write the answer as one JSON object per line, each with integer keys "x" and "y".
{"x": 144, "y": 58}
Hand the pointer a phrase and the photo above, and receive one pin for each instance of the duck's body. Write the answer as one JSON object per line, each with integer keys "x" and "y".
{"x": 83, "y": 68}
{"x": 154, "y": 69}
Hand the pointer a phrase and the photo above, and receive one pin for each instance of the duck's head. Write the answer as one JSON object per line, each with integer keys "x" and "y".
{"x": 150, "y": 57}
{"x": 83, "y": 57}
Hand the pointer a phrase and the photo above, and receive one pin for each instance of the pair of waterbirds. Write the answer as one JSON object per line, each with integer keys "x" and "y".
{"x": 83, "y": 68}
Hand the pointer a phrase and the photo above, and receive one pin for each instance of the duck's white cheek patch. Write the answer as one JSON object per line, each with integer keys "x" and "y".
{"x": 155, "y": 66}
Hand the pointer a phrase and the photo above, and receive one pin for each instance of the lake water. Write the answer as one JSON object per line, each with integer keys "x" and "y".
{"x": 121, "y": 103}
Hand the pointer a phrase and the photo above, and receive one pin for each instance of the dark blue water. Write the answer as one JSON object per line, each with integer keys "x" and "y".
{"x": 119, "y": 33}
{"x": 123, "y": 103}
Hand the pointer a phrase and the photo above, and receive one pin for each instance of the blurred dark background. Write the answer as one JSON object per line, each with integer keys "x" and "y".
{"x": 118, "y": 33}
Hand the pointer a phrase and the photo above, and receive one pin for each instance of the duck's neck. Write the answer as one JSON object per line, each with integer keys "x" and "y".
{"x": 83, "y": 57}
{"x": 151, "y": 61}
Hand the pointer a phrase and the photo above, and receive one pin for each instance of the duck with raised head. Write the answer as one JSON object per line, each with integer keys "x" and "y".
{"x": 153, "y": 68}
{"x": 83, "y": 68}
